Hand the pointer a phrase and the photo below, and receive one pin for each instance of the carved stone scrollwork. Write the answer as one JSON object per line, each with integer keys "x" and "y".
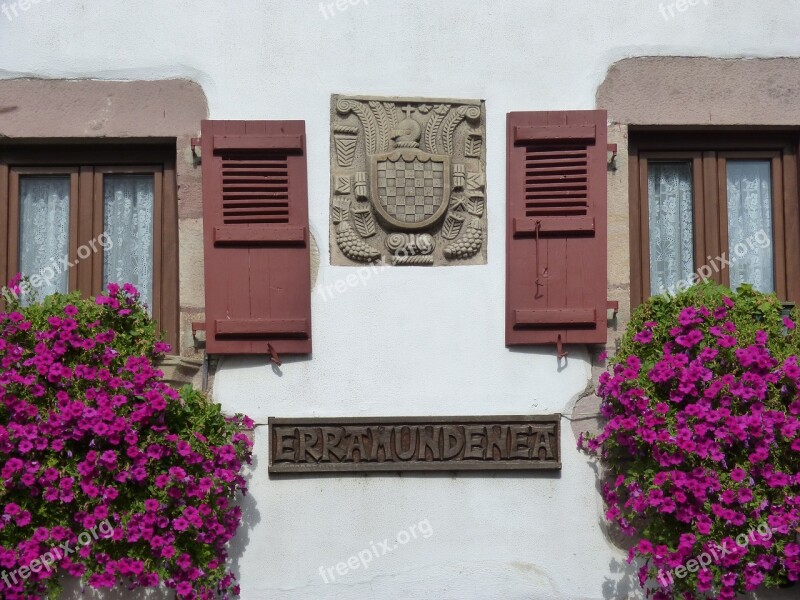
{"x": 408, "y": 180}
{"x": 411, "y": 249}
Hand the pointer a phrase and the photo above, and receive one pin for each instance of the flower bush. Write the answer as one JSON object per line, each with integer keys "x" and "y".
{"x": 702, "y": 442}
{"x": 92, "y": 439}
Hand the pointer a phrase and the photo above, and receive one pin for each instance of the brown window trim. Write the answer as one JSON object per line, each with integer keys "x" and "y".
{"x": 87, "y": 165}
{"x": 708, "y": 152}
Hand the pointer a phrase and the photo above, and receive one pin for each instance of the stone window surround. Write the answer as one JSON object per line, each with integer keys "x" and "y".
{"x": 91, "y": 110}
{"x": 676, "y": 92}
{"x": 683, "y": 92}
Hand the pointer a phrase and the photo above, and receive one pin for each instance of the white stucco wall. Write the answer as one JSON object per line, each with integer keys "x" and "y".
{"x": 408, "y": 341}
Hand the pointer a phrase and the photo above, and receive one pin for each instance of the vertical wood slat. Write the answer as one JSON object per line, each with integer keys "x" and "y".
{"x": 98, "y": 226}
{"x": 5, "y": 274}
{"x": 555, "y": 259}
{"x": 722, "y": 202}
{"x": 698, "y": 183}
{"x": 778, "y": 228}
{"x": 572, "y": 262}
{"x": 713, "y": 210}
{"x": 634, "y": 219}
{"x": 74, "y": 207}
{"x": 13, "y": 219}
{"x": 259, "y": 296}
{"x": 158, "y": 220}
{"x": 84, "y": 269}
{"x": 791, "y": 211}
{"x": 644, "y": 227}
{"x": 169, "y": 241}
{"x": 237, "y": 280}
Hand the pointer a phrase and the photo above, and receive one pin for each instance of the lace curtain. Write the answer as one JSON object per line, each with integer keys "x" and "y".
{"x": 44, "y": 231}
{"x": 750, "y": 224}
{"x": 669, "y": 193}
{"x": 128, "y": 221}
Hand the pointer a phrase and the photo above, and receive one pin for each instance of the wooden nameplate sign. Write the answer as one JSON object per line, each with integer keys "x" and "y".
{"x": 492, "y": 443}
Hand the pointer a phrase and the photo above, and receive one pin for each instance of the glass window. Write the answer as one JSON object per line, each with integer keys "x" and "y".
{"x": 669, "y": 193}
{"x": 44, "y": 204}
{"x": 749, "y": 188}
{"x": 128, "y": 221}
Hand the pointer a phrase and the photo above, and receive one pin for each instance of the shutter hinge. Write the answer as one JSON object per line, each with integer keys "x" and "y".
{"x": 195, "y": 143}
{"x": 197, "y": 326}
{"x": 612, "y": 154}
{"x": 613, "y": 307}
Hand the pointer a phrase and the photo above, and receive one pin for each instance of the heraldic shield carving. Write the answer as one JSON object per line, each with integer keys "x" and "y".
{"x": 408, "y": 181}
{"x": 410, "y": 188}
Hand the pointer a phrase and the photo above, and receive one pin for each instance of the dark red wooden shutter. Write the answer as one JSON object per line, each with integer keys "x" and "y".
{"x": 257, "y": 251}
{"x": 556, "y": 213}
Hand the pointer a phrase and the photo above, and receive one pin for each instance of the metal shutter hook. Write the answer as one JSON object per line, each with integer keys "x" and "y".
{"x": 273, "y": 355}
{"x": 560, "y": 348}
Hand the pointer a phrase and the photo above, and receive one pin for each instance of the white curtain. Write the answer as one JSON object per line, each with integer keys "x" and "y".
{"x": 128, "y": 222}
{"x": 750, "y": 224}
{"x": 669, "y": 193}
{"x": 44, "y": 232}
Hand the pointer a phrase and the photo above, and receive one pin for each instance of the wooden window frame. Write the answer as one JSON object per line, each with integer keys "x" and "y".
{"x": 87, "y": 166}
{"x": 708, "y": 153}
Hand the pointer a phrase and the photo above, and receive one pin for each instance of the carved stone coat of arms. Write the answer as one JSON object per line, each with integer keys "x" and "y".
{"x": 408, "y": 181}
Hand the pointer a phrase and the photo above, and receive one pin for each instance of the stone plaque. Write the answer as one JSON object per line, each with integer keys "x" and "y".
{"x": 408, "y": 181}
{"x": 415, "y": 444}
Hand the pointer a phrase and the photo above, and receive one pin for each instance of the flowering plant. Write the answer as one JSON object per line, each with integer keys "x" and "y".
{"x": 702, "y": 441}
{"x": 91, "y": 437}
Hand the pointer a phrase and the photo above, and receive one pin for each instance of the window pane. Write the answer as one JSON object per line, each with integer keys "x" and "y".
{"x": 669, "y": 194}
{"x": 750, "y": 223}
{"x": 44, "y": 232}
{"x": 128, "y": 222}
